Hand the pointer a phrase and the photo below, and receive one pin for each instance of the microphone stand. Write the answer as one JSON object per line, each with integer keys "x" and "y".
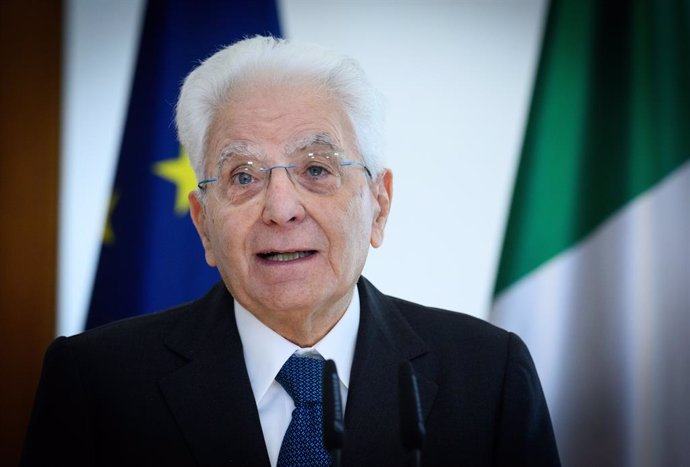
{"x": 412, "y": 429}
{"x": 333, "y": 425}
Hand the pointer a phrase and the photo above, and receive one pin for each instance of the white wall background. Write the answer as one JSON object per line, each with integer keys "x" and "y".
{"x": 457, "y": 76}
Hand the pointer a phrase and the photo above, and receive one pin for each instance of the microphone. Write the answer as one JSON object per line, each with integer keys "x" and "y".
{"x": 412, "y": 430}
{"x": 333, "y": 426}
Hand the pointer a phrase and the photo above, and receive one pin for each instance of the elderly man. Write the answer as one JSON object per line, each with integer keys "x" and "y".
{"x": 283, "y": 138}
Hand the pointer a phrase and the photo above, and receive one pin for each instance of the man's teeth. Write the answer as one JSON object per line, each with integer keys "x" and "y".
{"x": 287, "y": 256}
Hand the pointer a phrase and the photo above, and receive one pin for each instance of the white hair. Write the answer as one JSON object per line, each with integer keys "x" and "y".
{"x": 212, "y": 84}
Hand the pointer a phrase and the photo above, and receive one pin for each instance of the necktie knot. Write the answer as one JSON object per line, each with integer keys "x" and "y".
{"x": 302, "y": 378}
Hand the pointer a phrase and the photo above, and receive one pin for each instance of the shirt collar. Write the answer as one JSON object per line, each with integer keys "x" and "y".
{"x": 265, "y": 351}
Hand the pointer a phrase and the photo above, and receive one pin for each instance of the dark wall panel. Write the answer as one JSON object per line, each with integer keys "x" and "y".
{"x": 30, "y": 47}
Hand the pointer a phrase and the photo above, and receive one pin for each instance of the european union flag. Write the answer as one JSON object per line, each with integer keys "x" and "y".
{"x": 151, "y": 256}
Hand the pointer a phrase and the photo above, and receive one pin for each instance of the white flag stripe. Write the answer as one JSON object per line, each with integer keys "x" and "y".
{"x": 613, "y": 341}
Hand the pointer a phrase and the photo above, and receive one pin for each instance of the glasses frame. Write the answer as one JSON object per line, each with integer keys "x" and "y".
{"x": 202, "y": 184}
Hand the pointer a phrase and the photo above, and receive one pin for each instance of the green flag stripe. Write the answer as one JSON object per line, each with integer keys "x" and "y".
{"x": 610, "y": 117}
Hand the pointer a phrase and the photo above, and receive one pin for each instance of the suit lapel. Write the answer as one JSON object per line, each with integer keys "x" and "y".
{"x": 210, "y": 396}
{"x": 372, "y": 421}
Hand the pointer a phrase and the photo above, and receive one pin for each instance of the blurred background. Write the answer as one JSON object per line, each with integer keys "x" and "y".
{"x": 456, "y": 77}
{"x": 459, "y": 79}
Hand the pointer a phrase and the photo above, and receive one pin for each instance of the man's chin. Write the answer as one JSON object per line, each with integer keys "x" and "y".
{"x": 297, "y": 298}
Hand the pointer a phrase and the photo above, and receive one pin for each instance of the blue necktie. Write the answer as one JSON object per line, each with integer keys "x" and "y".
{"x": 302, "y": 378}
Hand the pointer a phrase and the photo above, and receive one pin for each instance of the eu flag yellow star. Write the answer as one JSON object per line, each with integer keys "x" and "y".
{"x": 178, "y": 171}
{"x": 108, "y": 231}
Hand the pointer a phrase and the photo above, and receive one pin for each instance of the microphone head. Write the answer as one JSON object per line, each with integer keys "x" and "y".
{"x": 333, "y": 426}
{"x": 412, "y": 429}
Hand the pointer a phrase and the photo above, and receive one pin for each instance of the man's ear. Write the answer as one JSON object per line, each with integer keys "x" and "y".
{"x": 383, "y": 192}
{"x": 198, "y": 213}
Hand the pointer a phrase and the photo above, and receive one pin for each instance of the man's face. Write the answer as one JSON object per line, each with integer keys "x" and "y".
{"x": 286, "y": 252}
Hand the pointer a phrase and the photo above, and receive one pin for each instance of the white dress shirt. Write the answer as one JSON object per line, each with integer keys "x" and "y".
{"x": 265, "y": 352}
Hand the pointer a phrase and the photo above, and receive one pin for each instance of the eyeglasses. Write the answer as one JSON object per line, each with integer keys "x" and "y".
{"x": 240, "y": 178}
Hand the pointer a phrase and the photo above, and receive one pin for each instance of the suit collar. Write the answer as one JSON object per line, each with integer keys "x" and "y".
{"x": 212, "y": 401}
{"x": 210, "y": 395}
{"x": 372, "y": 416}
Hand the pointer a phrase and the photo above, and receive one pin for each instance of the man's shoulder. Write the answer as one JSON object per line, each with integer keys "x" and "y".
{"x": 423, "y": 315}
{"x": 134, "y": 328}
{"x": 442, "y": 330}
{"x": 138, "y": 331}
{"x": 441, "y": 324}
{"x": 427, "y": 320}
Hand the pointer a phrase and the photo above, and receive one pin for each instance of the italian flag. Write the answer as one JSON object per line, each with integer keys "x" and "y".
{"x": 595, "y": 268}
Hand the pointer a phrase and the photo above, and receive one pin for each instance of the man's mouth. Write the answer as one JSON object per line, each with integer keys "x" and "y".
{"x": 286, "y": 256}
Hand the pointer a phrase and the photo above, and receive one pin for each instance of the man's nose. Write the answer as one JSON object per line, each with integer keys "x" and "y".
{"x": 282, "y": 202}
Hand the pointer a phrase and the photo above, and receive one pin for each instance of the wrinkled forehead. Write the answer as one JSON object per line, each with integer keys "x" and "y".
{"x": 293, "y": 147}
{"x": 258, "y": 120}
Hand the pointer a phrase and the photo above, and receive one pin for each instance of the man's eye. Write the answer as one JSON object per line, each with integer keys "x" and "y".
{"x": 242, "y": 178}
{"x": 316, "y": 171}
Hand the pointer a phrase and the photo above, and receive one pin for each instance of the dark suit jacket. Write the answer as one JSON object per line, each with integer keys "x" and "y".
{"x": 172, "y": 388}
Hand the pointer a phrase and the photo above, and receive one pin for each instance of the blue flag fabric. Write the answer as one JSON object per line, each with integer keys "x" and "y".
{"x": 151, "y": 256}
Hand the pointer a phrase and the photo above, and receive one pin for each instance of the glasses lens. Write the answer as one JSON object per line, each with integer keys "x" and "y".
{"x": 317, "y": 171}
{"x": 239, "y": 180}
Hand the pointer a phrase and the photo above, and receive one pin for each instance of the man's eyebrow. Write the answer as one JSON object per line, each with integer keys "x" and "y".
{"x": 240, "y": 149}
{"x": 322, "y": 139}
{"x": 236, "y": 149}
